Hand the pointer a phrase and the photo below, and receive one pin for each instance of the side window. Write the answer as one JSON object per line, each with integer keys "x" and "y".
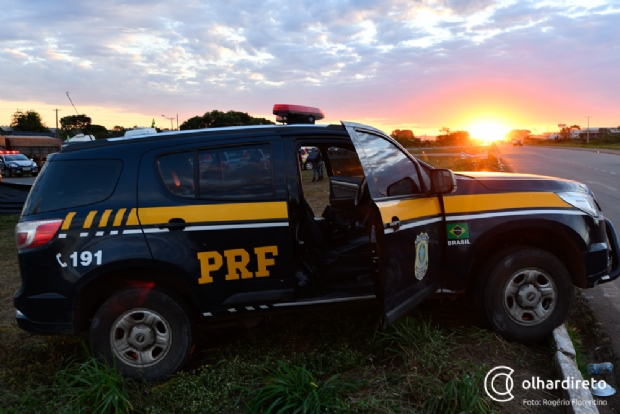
{"x": 176, "y": 170}
{"x": 242, "y": 173}
{"x": 394, "y": 173}
{"x": 344, "y": 162}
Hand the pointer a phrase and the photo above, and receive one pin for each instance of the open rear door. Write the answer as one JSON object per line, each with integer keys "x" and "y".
{"x": 409, "y": 246}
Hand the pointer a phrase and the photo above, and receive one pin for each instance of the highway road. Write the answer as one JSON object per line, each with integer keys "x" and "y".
{"x": 27, "y": 180}
{"x": 601, "y": 172}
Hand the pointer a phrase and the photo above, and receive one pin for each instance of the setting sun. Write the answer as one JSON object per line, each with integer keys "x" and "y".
{"x": 488, "y": 131}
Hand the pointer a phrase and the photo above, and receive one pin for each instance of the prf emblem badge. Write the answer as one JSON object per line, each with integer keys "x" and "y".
{"x": 421, "y": 255}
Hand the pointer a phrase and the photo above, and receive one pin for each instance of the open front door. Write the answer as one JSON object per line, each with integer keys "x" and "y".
{"x": 409, "y": 246}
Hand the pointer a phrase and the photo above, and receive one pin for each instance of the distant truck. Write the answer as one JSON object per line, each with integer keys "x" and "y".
{"x": 35, "y": 147}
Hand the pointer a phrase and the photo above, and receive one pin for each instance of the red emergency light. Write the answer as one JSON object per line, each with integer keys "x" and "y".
{"x": 297, "y": 114}
{"x": 9, "y": 152}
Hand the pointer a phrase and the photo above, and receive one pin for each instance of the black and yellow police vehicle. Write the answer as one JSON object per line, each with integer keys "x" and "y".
{"x": 140, "y": 239}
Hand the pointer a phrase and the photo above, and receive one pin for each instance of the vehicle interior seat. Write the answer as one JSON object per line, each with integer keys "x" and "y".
{"x": 335, "y": 249}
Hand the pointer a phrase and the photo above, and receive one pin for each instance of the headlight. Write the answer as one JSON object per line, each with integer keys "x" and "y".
{"x": 581, "y": 201}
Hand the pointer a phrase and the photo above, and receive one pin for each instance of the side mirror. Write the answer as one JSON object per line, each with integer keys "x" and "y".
{"x": 443, "y": 181}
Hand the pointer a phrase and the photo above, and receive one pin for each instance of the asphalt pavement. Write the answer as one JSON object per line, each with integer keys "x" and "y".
{"x": 600, "y": 170}
{"x": 27, "y": 180}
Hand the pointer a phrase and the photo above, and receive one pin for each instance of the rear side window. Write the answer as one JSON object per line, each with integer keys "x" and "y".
{"x": 177, "y": 171}
{"x": 73, "y": 183}
{"x": 230, "y": 173}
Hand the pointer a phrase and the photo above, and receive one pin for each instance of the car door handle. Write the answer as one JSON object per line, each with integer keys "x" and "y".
{"x": 174, "y": 224}
{"x": 394, "y": 224}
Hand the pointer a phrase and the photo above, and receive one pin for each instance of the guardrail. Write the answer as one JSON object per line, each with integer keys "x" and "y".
{"x": 12, "y": 198}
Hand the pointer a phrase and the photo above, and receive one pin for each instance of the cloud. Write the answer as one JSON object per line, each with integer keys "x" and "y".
{"x": 380, "y": 58}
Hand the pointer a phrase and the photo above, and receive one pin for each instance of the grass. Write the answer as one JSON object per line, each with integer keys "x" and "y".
{"x": 294, "y": 389}
{"x": 93, "y": 386}
{"x": 455, "y": 163}
{"x": 460, "y": 395}
{"x": 576, "y": 143}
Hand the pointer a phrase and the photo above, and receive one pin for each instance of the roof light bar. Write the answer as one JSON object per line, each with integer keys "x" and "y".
{"x": 9, "y": 152}
{"x": 297, "y": 114}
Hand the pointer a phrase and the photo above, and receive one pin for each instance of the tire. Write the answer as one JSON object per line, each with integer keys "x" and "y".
{"x": 524, "y": 294}
{"x": 145, "y": 333}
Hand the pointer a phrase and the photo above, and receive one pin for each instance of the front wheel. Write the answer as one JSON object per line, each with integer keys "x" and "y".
{"x": 524, "y": 294}
{"x": 145, "y": 333}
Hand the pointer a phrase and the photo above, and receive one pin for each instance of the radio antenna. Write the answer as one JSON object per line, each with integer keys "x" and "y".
{"x": 85, "y": 130}
{"x": 76, "y": 111}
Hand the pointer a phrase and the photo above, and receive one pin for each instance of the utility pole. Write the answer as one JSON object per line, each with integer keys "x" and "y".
{"x": 56, "y": 110}
{"x": 177, "y": 122}
{"x": 171, "y": 119}
{"x": 588, "y": 137}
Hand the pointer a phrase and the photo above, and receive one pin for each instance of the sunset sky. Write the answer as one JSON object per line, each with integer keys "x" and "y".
{"x": 478, "y": 65}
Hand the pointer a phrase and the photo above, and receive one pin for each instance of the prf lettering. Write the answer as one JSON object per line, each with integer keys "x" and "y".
{"x": 237, "y": 261}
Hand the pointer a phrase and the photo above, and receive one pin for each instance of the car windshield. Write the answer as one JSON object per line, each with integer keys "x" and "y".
{"x": 16, "y": 157}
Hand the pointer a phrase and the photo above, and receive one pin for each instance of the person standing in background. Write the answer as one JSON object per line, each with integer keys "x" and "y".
{"x": 317, "y": 165}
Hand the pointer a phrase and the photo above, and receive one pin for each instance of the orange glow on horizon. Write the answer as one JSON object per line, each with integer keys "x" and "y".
{"x": 488, "y": 131}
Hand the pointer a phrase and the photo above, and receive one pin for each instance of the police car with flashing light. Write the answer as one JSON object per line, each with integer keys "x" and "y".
{"x": 163, "y": 231}
{"x": 13, "y": 163}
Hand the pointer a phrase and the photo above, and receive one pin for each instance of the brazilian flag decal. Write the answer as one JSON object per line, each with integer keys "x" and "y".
{"x": 458, "y": 231}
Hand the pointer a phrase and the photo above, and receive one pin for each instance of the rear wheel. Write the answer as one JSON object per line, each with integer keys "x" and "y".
{"x": 145, "y": 333}
{"x": 524, "y": 294}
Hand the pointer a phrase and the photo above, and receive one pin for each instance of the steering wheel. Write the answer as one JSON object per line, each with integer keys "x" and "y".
{"x": 361, "y": 192}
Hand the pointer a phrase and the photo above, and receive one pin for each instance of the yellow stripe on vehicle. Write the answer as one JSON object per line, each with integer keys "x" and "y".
{"x": 67, "y": 222}
{"x": 215, "y": 212}
{"x": 89, "y": 219}
{"x": 409, "y": 209}
{"x": 104, "y": 218}
{"x": 490, "y": 202}
{"x": 118, "y": 219}
{"x": 132, "y": 218}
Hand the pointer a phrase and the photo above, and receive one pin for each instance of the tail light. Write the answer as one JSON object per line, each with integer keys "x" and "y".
{"x": 31, "y": 234}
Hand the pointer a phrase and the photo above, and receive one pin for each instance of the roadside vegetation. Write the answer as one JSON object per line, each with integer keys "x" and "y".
{"x": 452, "y": 158}
{"x": 612, "y": 143}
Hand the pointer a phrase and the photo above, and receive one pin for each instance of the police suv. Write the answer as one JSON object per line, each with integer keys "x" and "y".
{"x": 140, "y": 239}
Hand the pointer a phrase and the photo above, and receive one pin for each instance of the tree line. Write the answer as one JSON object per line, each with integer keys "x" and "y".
{"x": 407, "y": 138}
{"x": 71, "y": 125}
